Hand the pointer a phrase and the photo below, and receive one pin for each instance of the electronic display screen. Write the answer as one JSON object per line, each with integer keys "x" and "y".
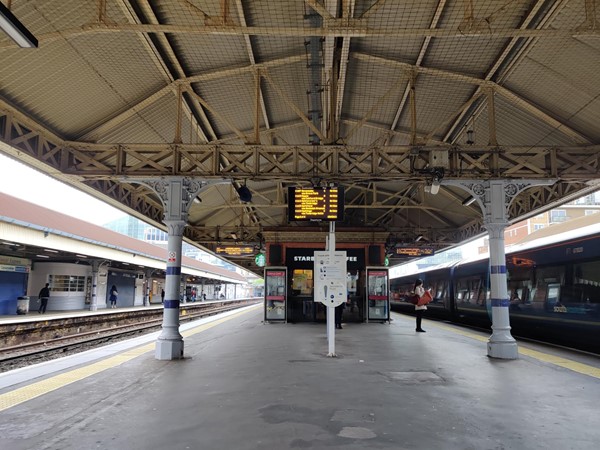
{"x": 316, "y": 204}
{"x": 415, "y": 251}
{"x": 235, "y": 250}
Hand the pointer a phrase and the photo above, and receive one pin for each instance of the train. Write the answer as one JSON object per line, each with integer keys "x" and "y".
{"x": 553, "y": 287}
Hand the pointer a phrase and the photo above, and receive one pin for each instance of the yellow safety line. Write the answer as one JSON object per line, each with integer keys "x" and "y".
{"x": 560, "y": 361}
{"x": 26, "y": 393}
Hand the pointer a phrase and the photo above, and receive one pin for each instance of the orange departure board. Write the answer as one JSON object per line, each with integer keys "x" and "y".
{"x": 316, "y": 204}
{"x": 415, "y": 251}
{"x": 235, "y": 250}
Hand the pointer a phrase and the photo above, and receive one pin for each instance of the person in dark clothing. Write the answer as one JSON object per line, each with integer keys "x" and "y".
{"x": 339, "y": 311}
{"x": 419, "y": 309}
{"x": 44, "y": 295}
{"x": 113, "y": 296}
{"x": 162, "y": 296}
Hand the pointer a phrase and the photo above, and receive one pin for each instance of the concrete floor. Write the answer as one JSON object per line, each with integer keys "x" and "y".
{"x": 247, "y": 385}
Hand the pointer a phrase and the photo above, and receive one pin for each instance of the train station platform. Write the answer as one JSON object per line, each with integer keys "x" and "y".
{"x": 249, "y": 385}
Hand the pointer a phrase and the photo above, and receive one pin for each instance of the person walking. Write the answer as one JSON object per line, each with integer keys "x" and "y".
{"x": 419, "y": 290}
{"x": 113, "y": 296}
{"x": 44, "y": 295}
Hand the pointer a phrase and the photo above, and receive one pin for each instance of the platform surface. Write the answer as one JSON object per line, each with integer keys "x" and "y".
{"x": 249, "y": 385}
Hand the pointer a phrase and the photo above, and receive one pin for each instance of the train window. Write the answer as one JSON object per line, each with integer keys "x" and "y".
{"x": 471, "y": 291}
{"x": 587, "y": 273}
{"x": 546, "y": 277}
{"x": 439, "y": 290}
{"x": 522, "y": 274}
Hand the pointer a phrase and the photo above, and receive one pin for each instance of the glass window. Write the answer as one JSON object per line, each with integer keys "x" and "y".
{"x": 66, "y": 283}
{"x": 471, "y": 291}
{"x": 302, "y": 282}
{"x": 558, "y": 215}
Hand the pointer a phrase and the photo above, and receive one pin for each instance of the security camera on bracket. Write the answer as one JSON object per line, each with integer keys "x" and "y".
{"x": 437, "y": 176}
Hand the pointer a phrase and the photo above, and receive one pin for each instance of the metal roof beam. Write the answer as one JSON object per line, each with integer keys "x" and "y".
{"x": 332, "y": 27}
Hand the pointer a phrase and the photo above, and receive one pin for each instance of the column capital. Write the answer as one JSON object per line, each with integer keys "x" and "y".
{"x": 177, "y": 193}
{"x": 496, "y": 229}
{"x": 495, "y": 196}
{"x": 175, "y": 227}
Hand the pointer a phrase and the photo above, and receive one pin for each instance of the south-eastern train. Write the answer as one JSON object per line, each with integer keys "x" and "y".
{"x": 553, "y": 288}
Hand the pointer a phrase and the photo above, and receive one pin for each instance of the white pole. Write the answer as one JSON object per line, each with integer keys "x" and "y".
{"x": 331, "y": 309}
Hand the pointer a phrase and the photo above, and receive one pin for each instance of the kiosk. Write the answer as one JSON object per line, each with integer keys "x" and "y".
{"x": 275, "y": 294}
{"x": 377, "y": 294}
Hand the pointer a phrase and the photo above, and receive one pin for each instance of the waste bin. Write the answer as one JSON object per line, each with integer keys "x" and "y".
{"x": 22, "y": 305}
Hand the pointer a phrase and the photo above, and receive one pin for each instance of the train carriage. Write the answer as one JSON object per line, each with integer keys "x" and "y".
{"x": 553, "y": 288}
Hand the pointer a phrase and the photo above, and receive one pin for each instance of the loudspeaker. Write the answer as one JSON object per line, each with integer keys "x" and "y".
{"x": 374, "y": 255}
{"x": 275, "y": 255}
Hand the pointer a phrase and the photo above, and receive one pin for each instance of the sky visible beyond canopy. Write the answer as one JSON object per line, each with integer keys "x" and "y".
{"x": 20, "y": 181}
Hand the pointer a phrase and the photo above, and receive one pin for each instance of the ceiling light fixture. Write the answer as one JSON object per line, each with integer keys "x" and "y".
{"x": 15, "y": 29}
{"x": 435, "y": 186}
{"x": 244, "y": 193}
{"x": 42, "y": 256}
{"x": 468, "y": 201}
{"x": 419, "y": 237}
{"x": 470, "y": 140}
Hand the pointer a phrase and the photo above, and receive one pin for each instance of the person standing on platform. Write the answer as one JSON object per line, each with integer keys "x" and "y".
{"x": 339, "y": 312}
{"x": 419, "y": 290}
{"x": 162, "y": 296}
{"x": 113, "y": 296}
{"x": 44, "y": 295}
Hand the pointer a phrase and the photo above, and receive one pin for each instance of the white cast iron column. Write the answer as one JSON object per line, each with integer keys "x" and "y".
{"x": 494, "y": 198}
{"x": 177, "y": 194}
{"x": 94, "y": 300}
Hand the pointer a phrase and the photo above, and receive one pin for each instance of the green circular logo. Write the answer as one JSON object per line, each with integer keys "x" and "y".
{"x": 260, "y": 259}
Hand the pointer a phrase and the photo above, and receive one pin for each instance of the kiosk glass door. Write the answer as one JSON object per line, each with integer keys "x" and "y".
{"x": 303, "y": 306}
{"x": 275, "y": 293}
{"x": 378, "y": 294}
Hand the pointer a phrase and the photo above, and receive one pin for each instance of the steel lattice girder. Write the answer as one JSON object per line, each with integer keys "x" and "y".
{"x": 111, "y": 169}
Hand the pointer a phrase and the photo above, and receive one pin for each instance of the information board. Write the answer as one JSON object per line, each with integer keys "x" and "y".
{"x": 235, "y": 250}
{"x": 316, "y": 204}
{"x": 330, "y": 278}
{"x": 415, "y": 251}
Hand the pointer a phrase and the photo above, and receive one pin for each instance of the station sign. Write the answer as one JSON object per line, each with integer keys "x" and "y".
{"x": 315, "y": 204}
{"x": 10, "y": 268}
{"x": 235, "y": 250}
{"x": 415, "y": 251}
{"x": 330, "y": 278}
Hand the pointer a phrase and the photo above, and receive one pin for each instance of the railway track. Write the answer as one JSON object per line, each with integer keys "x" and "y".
{"x": 37, "y": 351}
